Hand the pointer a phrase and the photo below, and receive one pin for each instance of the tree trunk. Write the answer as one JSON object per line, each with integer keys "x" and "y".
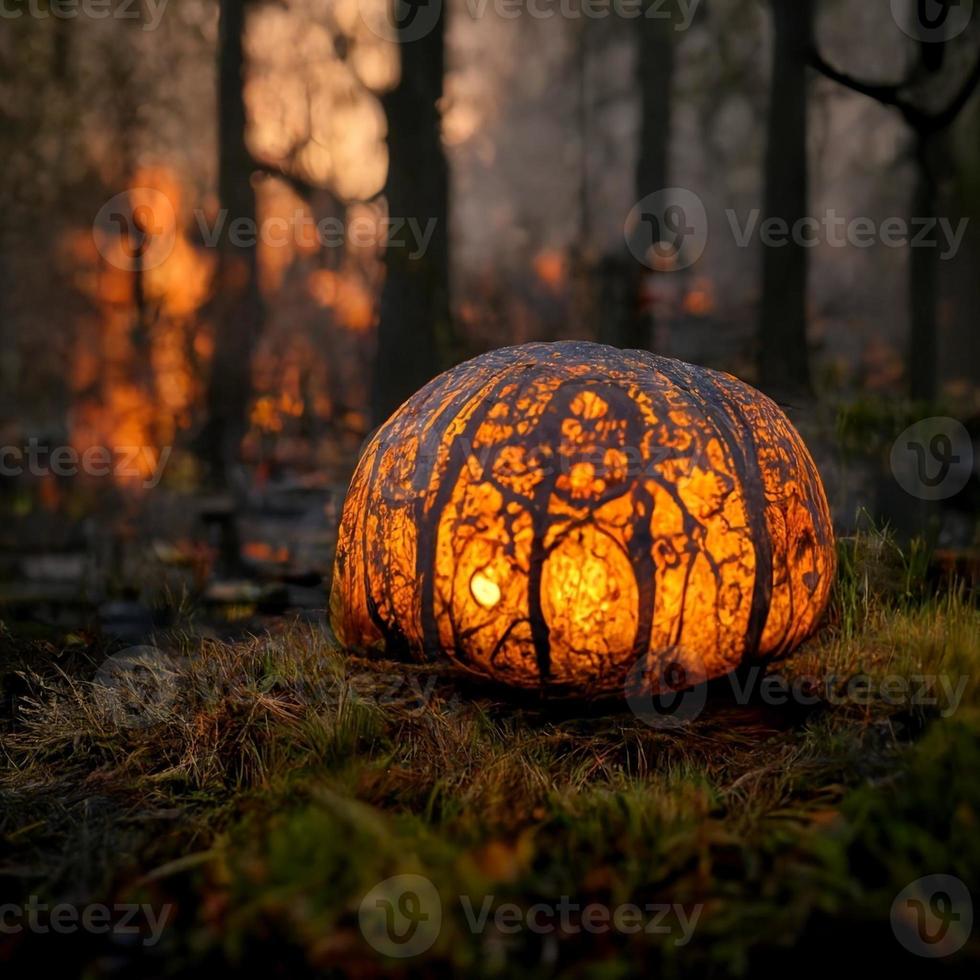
{"x": 931, "y": 131}
{"x": 239, "y": 304}
{"x": 655, "y": 75}
{"x": 782, "y": 356}
{"x": 924, "y": 279}
{"x": 626, "y": 320}
{"x": 415, "y": 337}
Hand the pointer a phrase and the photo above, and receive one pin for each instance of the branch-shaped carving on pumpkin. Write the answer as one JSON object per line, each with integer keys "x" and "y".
{"x": 546, "y": 515}
{"x": 579, "y": 422}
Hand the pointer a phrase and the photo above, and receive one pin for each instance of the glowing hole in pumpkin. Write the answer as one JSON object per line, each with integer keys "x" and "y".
{"x": 484, "y": 589}
{"x": 582, "y": 478}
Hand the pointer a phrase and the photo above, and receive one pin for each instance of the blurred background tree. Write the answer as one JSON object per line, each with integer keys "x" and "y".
{"x": 523, "y": 143}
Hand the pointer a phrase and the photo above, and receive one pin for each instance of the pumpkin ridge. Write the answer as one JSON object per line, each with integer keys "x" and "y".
{"x": 747, "y": 462}
{"x": 682, "y": 376}
{"x": 541, "y": 521}
{"x": 387, "y": 631}
{"x": 557, "y": 407}
{"x": 426, "y": 544}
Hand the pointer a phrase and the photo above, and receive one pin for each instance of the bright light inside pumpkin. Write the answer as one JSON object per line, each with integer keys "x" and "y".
{"x": 485, "y": 590}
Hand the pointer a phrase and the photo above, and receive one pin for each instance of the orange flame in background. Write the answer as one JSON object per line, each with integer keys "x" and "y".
{"x": 137, "y": 377}
{"x": 125, "y": 423}
{"x": 140, "y": 378}
{"x": 268, "y": 412}
{"x": 314, "y": 111}
{"x": 551, "y": 268}
{"x": 346, "y": 295}
{"x": 321, "y": 284}
{"x": 700, "y": 298}
{"x": 288, "y": 233}
{"x": 262, "y": 551}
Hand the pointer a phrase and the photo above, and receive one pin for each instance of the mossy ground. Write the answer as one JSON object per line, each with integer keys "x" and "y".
{"x": 265, "y": 787}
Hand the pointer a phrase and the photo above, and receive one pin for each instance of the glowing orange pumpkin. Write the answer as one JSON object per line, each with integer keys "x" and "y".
{"x": 548, "y": 515}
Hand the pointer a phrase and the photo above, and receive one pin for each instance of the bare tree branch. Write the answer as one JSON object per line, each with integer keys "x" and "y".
{"x": 304, "y": 188}
{"x": 893, "y": 95}
{"x": 947, "y": 116}
{"x": 886, "y": 94}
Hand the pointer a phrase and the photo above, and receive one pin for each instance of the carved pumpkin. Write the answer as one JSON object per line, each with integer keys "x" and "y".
{"x": 546, "y": 516}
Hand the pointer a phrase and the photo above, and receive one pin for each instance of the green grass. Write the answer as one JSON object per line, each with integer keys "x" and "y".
{"x": 279, "y": 780}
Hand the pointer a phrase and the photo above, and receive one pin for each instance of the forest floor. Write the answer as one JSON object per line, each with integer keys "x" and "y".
{"x": 239, "y": 805}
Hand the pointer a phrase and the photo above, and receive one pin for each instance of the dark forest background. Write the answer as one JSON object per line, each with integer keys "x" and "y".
{"x": 530, "y": 150}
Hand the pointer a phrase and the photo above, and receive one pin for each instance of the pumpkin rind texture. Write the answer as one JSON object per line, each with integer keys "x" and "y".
{"x": 550, "y": 515}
